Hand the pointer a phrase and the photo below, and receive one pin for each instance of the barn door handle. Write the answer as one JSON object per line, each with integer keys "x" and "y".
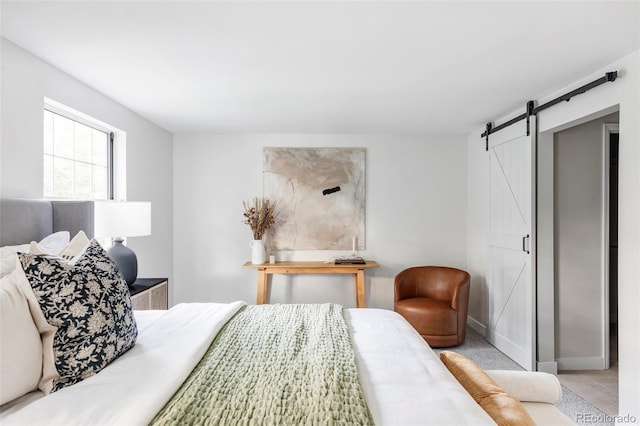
{"x": 524, "y": 243}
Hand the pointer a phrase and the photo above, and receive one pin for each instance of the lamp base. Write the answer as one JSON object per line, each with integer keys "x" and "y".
{"x": 126, "y": 261}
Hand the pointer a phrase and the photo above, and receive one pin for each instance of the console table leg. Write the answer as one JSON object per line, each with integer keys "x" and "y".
{"x": 360, "y": 300}
{"x": 263, "y": 282}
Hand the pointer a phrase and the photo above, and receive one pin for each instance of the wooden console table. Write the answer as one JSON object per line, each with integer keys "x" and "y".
{"x": 300, "y": 267}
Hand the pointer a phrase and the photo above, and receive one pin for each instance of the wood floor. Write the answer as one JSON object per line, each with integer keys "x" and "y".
{"x": 599, "y": 387}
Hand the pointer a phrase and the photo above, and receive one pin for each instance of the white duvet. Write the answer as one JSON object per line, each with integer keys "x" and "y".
{"x": 403, "y": 381}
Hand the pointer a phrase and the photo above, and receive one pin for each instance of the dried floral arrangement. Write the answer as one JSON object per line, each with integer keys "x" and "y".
{"x": 259, "y": 215}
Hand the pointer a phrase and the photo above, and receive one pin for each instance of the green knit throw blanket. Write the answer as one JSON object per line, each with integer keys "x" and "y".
{"x": 274, "y": 365}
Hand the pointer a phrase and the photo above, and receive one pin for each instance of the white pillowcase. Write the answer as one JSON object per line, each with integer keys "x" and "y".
{"x": 20, "y": 345}
{"x": 8, "y": 258}
{"x": 72, "y": 249}
{"x": 51, "y": 244}
{"x": 22, "y": 248}
{"x": 55, "y": 242}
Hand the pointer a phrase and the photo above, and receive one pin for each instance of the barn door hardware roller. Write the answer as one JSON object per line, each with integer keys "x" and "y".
{"x": 533, "y": 110}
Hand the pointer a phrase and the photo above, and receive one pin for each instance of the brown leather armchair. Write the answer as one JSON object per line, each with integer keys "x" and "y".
{"x": 435, "y": 301}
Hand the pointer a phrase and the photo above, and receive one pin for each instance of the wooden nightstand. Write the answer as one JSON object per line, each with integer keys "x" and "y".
{"x": 150, "y": 293}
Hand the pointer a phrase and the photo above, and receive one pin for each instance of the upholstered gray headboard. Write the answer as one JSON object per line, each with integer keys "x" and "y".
{"x": 22, "y": 221}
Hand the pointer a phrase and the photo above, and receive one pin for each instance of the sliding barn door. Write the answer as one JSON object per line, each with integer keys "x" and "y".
{"x": 510, "y": 279}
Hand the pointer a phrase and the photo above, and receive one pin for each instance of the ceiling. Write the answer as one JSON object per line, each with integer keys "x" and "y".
{"x": 366, "y": 67}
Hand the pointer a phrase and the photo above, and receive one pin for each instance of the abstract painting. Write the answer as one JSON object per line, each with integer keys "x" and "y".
{"x": 320, "y": 195}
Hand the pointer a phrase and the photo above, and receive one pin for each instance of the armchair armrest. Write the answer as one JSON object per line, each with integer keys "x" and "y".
{"x": 460, "y": 297}
{"x": 528, "y": 386}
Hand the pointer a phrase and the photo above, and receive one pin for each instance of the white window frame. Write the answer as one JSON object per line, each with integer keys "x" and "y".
{"x": 117, "y": 149}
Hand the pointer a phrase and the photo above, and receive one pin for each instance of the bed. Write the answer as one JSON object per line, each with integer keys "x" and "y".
{"x": 401, "y": 380}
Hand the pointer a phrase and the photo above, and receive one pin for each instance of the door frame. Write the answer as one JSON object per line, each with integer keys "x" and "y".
{"x": 607, "y": 130}
{"x": 545, "y": 263}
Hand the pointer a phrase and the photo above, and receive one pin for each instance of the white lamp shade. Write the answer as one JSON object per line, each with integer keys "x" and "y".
{"x": 122, "y": 218}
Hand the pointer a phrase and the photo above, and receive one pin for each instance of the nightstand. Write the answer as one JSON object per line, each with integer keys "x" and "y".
{"x": 150, "y": 293}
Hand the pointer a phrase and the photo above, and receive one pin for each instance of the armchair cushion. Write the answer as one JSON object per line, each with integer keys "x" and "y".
{"x": 428, "y": 314}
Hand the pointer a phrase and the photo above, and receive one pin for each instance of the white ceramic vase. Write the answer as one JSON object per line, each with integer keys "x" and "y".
{"x": 258, "y": 252}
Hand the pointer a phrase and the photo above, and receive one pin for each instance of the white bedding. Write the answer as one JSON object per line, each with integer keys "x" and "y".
{"x": 143, "y": 319}
{"x": 403, "y": 380}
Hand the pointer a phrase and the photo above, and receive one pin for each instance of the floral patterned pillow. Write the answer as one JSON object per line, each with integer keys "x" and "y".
{"x": 89, "y": 304}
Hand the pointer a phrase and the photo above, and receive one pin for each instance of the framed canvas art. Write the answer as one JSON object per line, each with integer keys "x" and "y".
{"x": 321, "y": 197}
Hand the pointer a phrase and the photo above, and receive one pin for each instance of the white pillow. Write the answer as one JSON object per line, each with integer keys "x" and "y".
{"x": 55, "y": 242}
{"x": 72, "y": 249}
{"x": 22, "y": 248}
{"x": 20, "y": 344}
{"x": 529, "y": 386}
{"x": 8, "y": 258}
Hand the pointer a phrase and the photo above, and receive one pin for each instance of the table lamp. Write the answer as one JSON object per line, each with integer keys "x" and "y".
{"x": 119, "y": 219}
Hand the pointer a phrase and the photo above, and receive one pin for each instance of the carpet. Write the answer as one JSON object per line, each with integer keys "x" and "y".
{"x": 477, "y": 349}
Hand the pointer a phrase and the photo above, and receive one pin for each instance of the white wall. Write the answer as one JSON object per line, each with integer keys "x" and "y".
{"x": 26, "y": 81}
{"x": 625, "y": 93}
{"x": 477, "y": 226}
{"x": 415, "y": 215}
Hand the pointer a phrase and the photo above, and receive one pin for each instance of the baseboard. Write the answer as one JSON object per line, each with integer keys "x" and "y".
{"x": 476, "y": 325}
{"x": 582, "y": 363}
{"x": 550, "y": 367}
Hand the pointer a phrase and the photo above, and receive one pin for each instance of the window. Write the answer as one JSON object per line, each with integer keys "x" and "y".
{"x": 77, "y": 158}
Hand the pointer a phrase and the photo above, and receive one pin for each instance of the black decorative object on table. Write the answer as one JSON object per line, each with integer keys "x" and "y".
{"x": 125, "y": 259}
